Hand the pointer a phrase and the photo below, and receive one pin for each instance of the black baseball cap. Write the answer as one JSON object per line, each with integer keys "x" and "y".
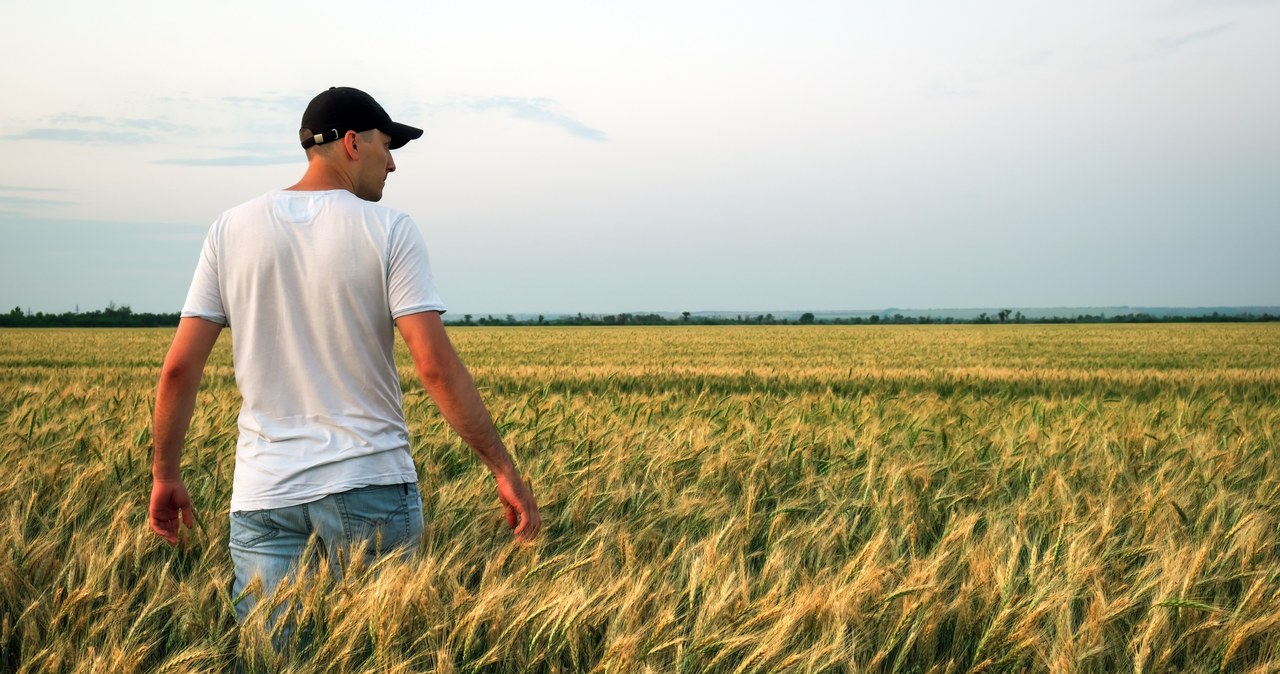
{"x": 334, "y": 112}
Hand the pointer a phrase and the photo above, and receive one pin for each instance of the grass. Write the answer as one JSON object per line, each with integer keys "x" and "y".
{"x": 716, "y": 499}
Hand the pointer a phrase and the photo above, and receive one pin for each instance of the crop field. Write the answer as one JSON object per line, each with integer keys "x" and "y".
{"x": 985, "y": 498}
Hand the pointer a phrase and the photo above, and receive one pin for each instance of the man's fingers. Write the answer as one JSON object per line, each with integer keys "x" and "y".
{"x": 188, "y": 517}
{"x": 522, "y": 509}
{"x": 165, "y": 529}
{"x": 529, "y": 523}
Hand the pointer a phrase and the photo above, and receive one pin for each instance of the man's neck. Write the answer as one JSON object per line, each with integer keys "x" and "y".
{"x": 321, "y": 177}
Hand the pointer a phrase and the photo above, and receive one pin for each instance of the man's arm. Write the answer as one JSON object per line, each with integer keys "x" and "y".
{"x": 175, "y": 402}
{"x": 451, "y": 387}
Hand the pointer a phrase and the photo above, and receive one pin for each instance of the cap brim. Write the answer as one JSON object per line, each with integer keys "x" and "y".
{"x": 400, "y": 133}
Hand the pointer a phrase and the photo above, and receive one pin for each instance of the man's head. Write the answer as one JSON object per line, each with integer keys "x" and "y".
{"x": 347, "y": 128}
{"x": 334, "y": 112}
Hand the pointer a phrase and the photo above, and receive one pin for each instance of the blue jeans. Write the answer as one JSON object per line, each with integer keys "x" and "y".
{"x": 270, "y": 543}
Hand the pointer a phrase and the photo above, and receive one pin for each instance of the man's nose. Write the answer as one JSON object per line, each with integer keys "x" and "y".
{"x": 391, "y": 163}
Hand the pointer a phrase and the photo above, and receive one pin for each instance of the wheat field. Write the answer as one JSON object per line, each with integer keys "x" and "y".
{"x": 1000, "y": 498}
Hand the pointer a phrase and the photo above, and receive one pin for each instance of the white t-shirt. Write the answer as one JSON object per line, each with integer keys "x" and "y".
{"x": 310, "y": 283}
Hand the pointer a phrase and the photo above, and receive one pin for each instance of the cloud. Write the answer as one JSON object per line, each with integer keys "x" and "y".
{"x": 537, "y": 110}
{"x": 20, "y": 201}
{"x": 1169, "y": 45}
{"x": 141, "y": 124}
{"x": 57, "y": 229}
{"x": 239, "y": 160}
{"x": 287, "y": 102}
{"x": 96, "y": 129}
{"x": 18, "y": 188}
{"x": 14, "y": 200}
{"x": 82, "y": 136}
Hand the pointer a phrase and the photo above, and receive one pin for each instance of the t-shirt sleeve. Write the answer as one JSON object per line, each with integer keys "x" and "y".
{"x": 204, "y": 298}
{"x": 411, "y": 288}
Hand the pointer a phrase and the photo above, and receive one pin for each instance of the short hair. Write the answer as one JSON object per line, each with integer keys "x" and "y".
{"x": 303, "y": 134}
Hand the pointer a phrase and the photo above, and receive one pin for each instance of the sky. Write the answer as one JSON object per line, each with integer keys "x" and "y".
{"x": 671, "y": 156}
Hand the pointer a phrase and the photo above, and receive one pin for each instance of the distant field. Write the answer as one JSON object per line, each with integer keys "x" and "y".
{"x": 1092, "y": 498}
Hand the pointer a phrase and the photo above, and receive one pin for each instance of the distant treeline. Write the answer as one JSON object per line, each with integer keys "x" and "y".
{"x": 111, "y": 317}
{"x": 124, "y": 317}
{"x": 810, "y": 319}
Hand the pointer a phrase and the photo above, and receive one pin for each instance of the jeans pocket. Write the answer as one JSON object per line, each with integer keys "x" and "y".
{"x": 383, "y": 517}
{"x": 251, "y": 527}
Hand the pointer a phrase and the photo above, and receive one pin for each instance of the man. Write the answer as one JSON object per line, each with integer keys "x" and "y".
{"x": 311, "y": 279}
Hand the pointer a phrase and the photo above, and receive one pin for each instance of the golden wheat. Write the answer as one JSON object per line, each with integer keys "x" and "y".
{"x": 724, "y": 499}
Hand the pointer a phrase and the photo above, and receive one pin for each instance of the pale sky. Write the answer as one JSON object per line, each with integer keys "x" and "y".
{"x": 670, "y": 156}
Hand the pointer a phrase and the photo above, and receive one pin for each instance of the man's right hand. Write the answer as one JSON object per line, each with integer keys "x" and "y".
{"x": 522, "y": 509}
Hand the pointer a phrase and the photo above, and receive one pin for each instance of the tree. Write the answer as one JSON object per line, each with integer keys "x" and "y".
{"x": 1003, "y": 314}
{"x": 806, "y": 318}
{"x": 685, "y": 316}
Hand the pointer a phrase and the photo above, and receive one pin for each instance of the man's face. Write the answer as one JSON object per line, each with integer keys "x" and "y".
{"x": 375, "y": 164}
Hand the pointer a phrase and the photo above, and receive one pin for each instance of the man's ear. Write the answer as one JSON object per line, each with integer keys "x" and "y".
{"x": 349, "y": 145}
